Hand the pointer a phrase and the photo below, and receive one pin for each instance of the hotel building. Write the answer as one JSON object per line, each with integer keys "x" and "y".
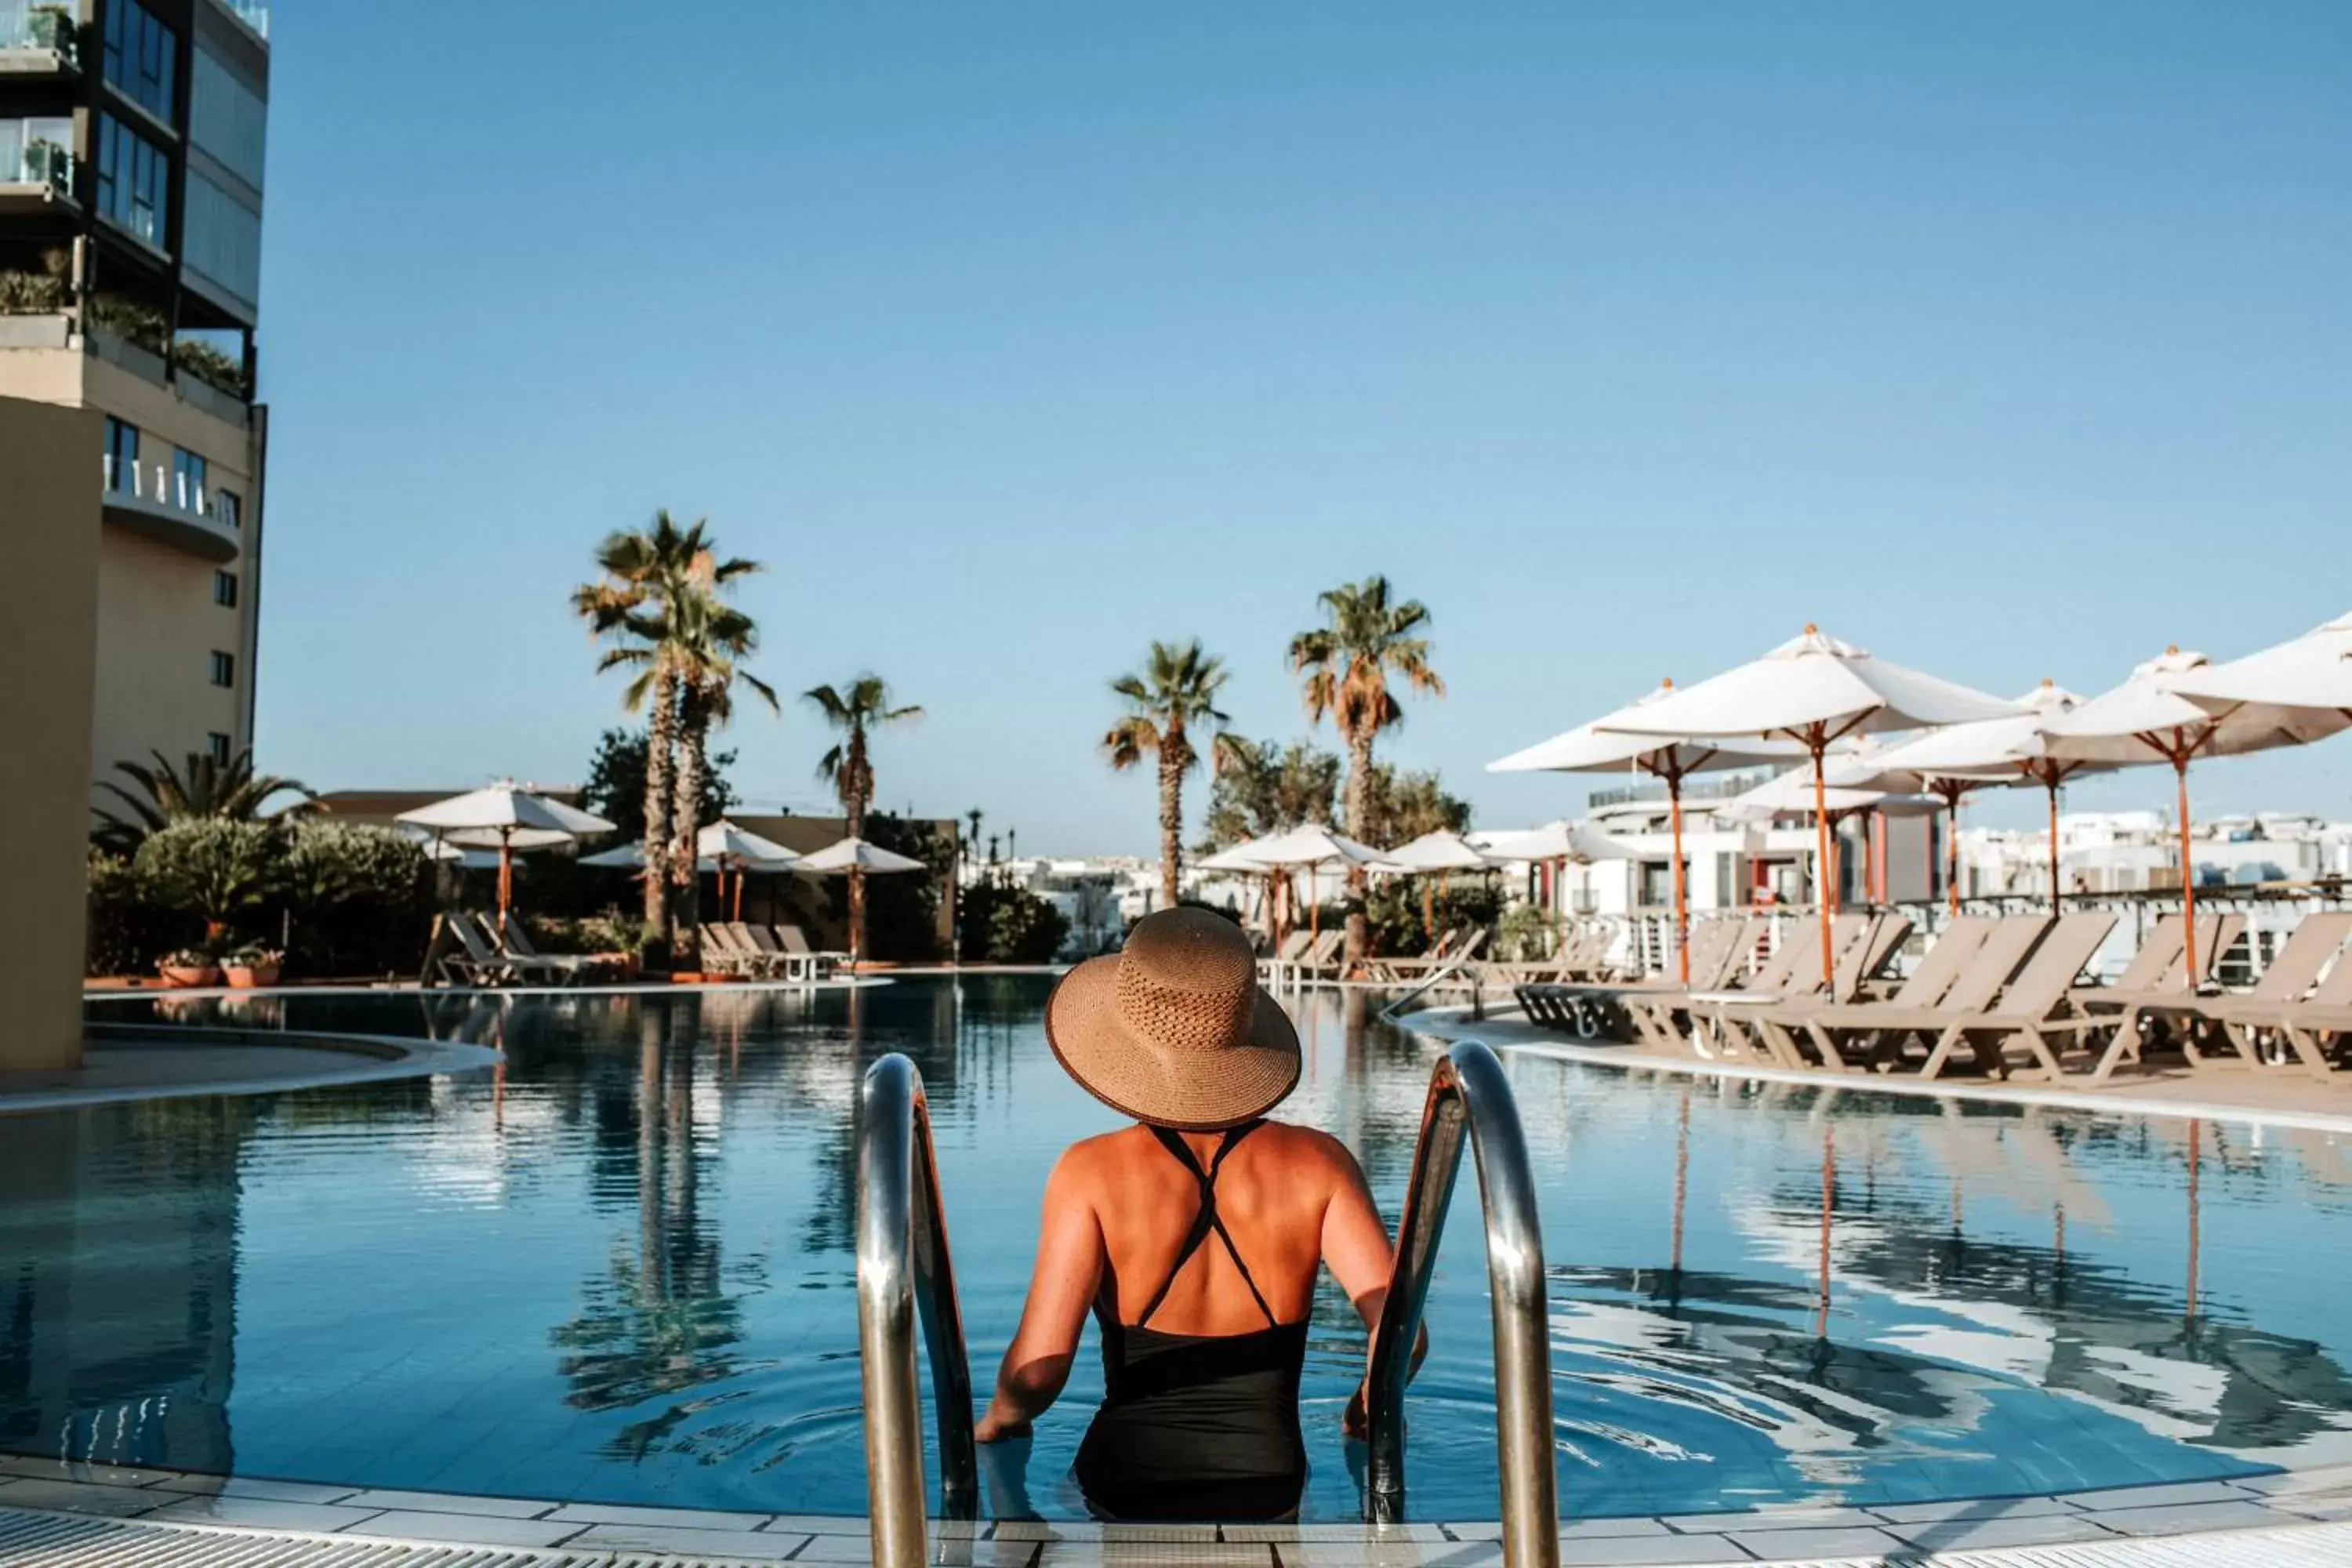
{"x": 131, "y": 143}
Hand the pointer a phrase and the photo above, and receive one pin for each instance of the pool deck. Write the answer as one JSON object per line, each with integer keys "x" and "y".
{"x": 2285, "y": 1097}
{"x": 69, "y": 1515}
{"x": 173, "y": 1061}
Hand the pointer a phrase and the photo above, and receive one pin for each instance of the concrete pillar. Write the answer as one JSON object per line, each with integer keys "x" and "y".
{"x": 49, "y": 501}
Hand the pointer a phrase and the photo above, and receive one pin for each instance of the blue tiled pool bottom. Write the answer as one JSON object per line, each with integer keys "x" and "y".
{"x": 620, "y": 1272}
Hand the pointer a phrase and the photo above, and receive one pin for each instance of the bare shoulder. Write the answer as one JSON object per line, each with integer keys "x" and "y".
{"x": 1090, "y": 1164}
{"x": 1308, "y": 1150}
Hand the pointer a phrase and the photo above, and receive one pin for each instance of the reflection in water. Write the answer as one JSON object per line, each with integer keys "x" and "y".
{"x": 621, "y": 1268}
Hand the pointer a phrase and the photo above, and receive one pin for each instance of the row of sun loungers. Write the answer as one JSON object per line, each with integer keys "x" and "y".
{"x": 474, "y": 949}
{"x": 735, "y": 947}
{"x": 1999, "y": 997}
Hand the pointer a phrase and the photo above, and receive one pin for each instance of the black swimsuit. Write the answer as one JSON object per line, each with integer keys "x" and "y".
{"x": 1196, "y": 1426}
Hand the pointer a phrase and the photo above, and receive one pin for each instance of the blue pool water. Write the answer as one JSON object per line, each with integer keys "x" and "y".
{"x": 624, "y": 1274}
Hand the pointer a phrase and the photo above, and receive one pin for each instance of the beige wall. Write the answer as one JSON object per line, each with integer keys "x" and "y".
{"x": 49, "y": 515}
{"x": 157, "y": 622}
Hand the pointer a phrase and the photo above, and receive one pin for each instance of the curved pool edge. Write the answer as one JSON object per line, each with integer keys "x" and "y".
{"x": 1451, "y": 1023}
{"x": 131, "y": 1062}
{"x": 2284, "y": 1518}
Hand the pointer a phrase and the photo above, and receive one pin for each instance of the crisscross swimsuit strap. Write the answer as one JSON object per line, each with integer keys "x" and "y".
{"x": 1206, "y": 1221}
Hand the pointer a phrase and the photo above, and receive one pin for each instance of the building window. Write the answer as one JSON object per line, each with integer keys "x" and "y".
{"x": 229, "y": 510}
{"x": 141, "y": 55}
{"x": 122, "y": 455}
{"x": 227, "y": 117}
{"x": 225, "y": 590}
{"x": 217, "y": 744}
{"x": 224, "y": 669}
{"x": 135, "y": 179}
{"x": 188, "y": 481}
{"x": 220, "y": 237}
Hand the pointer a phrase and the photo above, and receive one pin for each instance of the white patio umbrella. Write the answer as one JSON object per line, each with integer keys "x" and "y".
{"x": 2314, "y": 670}
{"x": 845, "y": 856}
{"x": 2147, "y": 719}
{"x": 721, "y": 844}
{"x": 1991, "y": 753}
{"x": 1305, "y": 848}
{"x": 1846, "y": 794}
{"x": 1437, "y": 852}
{"x": 504, "y": 810}
{"x": 1597, "y": 748}
{"x": 1814, "y": 690}
{"x": 1553, "y": 841}
{"x": 632, "y": 858}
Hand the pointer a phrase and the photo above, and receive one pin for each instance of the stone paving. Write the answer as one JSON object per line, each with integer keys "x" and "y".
{"x": 1899, "y": 1531}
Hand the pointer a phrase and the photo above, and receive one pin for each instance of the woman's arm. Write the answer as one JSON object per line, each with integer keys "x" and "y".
{"x": 1068, "y": 1272}
{"x": 1357, "y": 1250}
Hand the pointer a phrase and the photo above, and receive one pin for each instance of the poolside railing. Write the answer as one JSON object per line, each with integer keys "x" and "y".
{"x": 1470, "y": 1094}
{"x": 904, "y": 1275}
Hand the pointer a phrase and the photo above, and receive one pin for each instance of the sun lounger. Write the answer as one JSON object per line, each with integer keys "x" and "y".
{"x": 1718, "y": 948}
{"x": 2254, "y": 1024}
{"x": 1274, "y": 971}
{"x": 2328, "y": 1012}
{"x": 1321, "y": 959}
{"x": 1783, "y": 1023}
{"x": 1849, "y": 1036}
{"x": 573, "y": 967}
{"x": 2032, "y": 1006}
{"x": 2156, "y": 978}
{"x": 723, "y": 955}
{"x": 772, "y": 960}
{"x": 479, "y": 961}
{"x": 820, "y": 963}
{"x": 1863, "y": 944}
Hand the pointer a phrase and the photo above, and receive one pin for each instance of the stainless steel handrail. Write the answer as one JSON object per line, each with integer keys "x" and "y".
{"x": 1469, "y": 1090}
{"x": 903, "y": 1274}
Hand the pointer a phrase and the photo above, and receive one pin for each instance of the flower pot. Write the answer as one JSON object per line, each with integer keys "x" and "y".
{"x": 185, "y": 977}
{"x": 250, "y": 977}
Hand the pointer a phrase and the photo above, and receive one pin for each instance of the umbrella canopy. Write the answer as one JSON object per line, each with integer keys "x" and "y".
{"x": 1599, "y": 747}
{"x": 2314, "y": 670}
{"x": 1443, "y": 850}
{"x": 1794, "y": 792}
{"x": 503, "y": 811}
{"x": 1313, "y": 844}
{"x": 2148, "y": 720}
{"x": 838, "y": 859}
{"x": 1812, "y": 690}
{"x": 1554, "y": 841}
{"x": 632, "y": 858}
{"x": 1990, "y": 752}
{"x": 722, "y": 840}
{"x": 506, "y": 807}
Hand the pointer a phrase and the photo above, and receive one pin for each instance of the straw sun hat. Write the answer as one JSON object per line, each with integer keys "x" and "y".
{"x": 1174, "y": 1031}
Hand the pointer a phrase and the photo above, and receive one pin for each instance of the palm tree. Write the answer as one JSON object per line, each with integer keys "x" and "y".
{"x": 647, "y": 574}
{"x": 200, "y": 788}
{"x": 712, "y": 639}
{"x": 1177, "y": 688}
{"x": 863, "y": 707}
{"x": 1345, "y": 664}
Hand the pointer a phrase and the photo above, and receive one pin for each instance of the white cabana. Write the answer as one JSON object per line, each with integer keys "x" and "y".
{"x": 2147, "y": 719}
{"x": 504, "y": 810}
{"x": 1597, "y": 748}
{"x": 1813, "y": 691}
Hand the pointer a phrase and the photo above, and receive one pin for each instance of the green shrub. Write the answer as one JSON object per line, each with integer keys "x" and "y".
{"x": 357, "y": 899}
{"x": 1005, "y": 924}
{"x": 129, "y": 929}
{"x": 220, "y": 871}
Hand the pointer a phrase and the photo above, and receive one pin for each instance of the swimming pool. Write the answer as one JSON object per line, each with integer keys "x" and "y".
{"x": 622, "y": 1270}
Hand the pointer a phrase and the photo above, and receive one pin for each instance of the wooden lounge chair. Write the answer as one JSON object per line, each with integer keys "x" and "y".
{"x": 723, "y": 954}
{"x": 1782, "y": 1022}
{"x": 1401, "y": 966}
{"x": 1321, "y": 959}
{"x": 1863, "y": 945}
{"x": 571, "y": 967}
{"x": 2319, "y": 1026}
{"x": 2157, "y": 979}
{"x": 773, "y": 961}
{"x": 2033, "y": 1006}
{"x": 2291, "y": 987}
{"x": 1846, "y": 1037}
{"x": 1274, "y": 970}
{"x": 1660, "y": 1016}
{"x": 1718, "y": 948}
{"x": 820, "y": 963}
{"x": 480, "y": 962}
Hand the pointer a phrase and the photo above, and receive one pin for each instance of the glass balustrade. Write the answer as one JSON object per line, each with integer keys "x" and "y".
{"x": 37, "y": 153}
{"x": 37, "y": 25}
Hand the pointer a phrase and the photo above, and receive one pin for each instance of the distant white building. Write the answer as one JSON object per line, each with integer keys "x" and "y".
{"x": 2137, "y": 851}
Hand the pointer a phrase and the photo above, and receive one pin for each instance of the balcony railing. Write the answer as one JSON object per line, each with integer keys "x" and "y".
{"x": 30, "y": 158}
{"x": 164, "y": 503}
{"x": 39, "y": 27}
{"x": 254, "y": 14}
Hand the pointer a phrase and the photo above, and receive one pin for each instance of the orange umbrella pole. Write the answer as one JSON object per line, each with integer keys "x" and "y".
{"x": 2187, "y": 874}
{"x": 1682, "y": 916}
{"x": 1822, "y": 864}
{"x": 2057, "y": 897}
{"x": 1952, "y": 851}
{"x": 506, "y": 877}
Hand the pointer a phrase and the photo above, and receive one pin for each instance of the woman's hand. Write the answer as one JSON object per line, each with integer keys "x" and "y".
{"x": 994, "y": 1428}
{"x": 1356, "y": 1421}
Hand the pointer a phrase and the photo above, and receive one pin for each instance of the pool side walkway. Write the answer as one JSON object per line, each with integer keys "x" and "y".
{"x": 171, "y": 1061}
{"x": 2275, "y": 1098}
{"x": 82, "y": 1516}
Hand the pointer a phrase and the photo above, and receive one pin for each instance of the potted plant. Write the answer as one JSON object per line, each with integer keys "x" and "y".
{"x": 188, "y": 967}
{"x": 252, "y": 965}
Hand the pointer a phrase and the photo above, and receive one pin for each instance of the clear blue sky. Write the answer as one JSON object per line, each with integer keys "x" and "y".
{"x": 2005, "y": 340}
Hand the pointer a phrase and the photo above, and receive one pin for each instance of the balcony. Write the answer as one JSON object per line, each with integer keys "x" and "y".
{"x": 254, "y": 14}
{"x": 149, "y": 499}
{"x": 38, "y": 39}
{"x": 36, "y": 165}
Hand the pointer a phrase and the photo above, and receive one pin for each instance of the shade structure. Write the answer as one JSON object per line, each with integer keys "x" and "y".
{"x": 1299, "y": 847}
{"x": 2148, "y": 719}
{"x": 2312, "y": 672}
{"x": 632, "y": 858}
{"x": 1598, "y": 747}
{"x": 1954, "y": 760}
{"x": 854, "y": 857}
{"x": 1554, "y": 841}
{"x": 1854, "y": 787}
{"x": 723, "y": 841}
{"x": 1813, "y": 691}
{"x": 1443, "y": 850}
{"x": 504, "y": 810}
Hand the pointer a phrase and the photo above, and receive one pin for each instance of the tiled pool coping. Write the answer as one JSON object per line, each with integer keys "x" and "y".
{"x": 2317, "y": 1505}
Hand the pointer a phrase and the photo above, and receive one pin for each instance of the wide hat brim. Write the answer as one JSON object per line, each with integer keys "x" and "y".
{"x": 1190, "y": 1091}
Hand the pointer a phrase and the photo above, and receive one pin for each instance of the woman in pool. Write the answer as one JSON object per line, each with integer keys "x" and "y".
{"x": 1193, "y": 1236}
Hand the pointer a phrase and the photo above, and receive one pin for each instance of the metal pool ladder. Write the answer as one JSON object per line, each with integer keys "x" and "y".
{"x": 1469, "y": 1092}
{"x": 903, "y": 1274}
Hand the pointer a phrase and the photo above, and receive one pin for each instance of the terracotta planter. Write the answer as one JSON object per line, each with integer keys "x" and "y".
{"x": 248, "y": 977}
{"x": 187, "y": 977}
